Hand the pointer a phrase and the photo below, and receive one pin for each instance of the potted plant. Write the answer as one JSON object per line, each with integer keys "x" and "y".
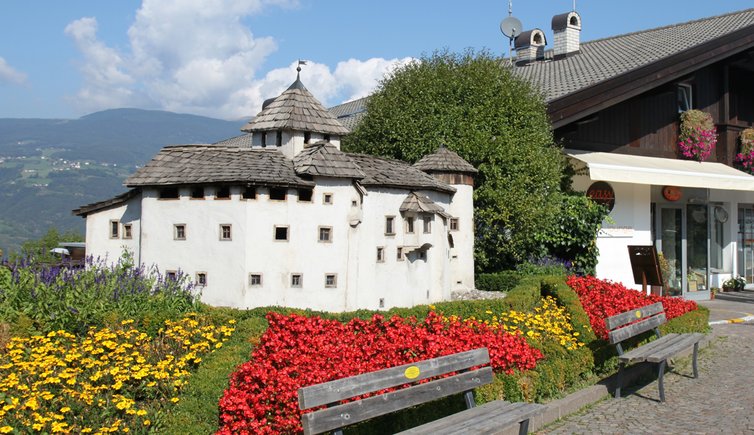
{"x": 713, "y": 292}
{"x": 698, "y": 135}
{"x": 746, "y": 157}
{"x": 734, "y": 284}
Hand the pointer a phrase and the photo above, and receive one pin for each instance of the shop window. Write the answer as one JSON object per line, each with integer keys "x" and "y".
{"x": 179, "y": 232}
{"x": 201, "y": 279}
{"x": 331, "y": 280}
{"x": 225, "y": 232}
{"x": 169, "y": 193}
{"x": 281, "y": 233}
{"x": 305, "y": 195}
{"x": 389, "y": 225}
{"x": 278, "y": 193}
{"x": 114, "y": 229}
{"x": 255, "y": 279}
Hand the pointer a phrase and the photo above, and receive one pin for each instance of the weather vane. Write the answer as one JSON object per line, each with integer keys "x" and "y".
{"x": 300, "y": 62}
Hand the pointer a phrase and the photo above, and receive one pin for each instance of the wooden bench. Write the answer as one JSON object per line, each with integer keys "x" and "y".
{"x": 490, "y": 418}
{"x": 634, "y": 322}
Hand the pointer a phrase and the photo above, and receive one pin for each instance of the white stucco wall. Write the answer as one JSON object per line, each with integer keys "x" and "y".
{"x": 100, "y": 244}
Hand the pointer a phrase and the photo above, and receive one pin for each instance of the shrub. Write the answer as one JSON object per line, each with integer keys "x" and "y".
{"x": 298, "y": 351}
{"x": 602, "y": 299}
{"x": 499, "y": 281}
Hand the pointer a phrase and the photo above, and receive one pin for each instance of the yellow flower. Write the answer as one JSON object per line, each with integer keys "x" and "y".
{"x": 175, "y": 400}
{"x": 6, "y": 429}
{"x": 147, "y": 422}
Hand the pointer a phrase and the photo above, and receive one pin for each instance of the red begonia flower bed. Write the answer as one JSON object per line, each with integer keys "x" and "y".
{"x": 602, "y": 299}
{"x": 298, "y": 351}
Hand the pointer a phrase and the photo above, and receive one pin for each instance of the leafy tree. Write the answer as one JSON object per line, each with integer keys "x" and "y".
{"x": 39, "y": 250}
{"x": 471, "y": 102}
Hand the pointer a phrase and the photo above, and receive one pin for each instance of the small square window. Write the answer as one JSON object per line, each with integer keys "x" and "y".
{"x": 326, "y": 137}
{"x": 453, "y": 224}
{"x": 201, "y": 279}
{"x": 114, "y": 229}
{"x": 380, "y": 254}
{"x": 409, "y": 225}
{"x": 127, "y": 233}
{"x": 399, "y": 254}
{"x": 171, "y": 275}
{"x": 327, "y": 198}
{"x": 305, "y": 195}
{"x": 169, "y": 193}
{"x": 281, "y": 233}
{"x": 222, "y": 193}
{"x": 325, "y": 234}
{"x": 249, "y": 192}
{"x": 389, "y": 225}
{"x": 197, "y": 193}
{"x": 331, "y": 280}
{"x": 427, "y": 220}
{"x": 278, "y": 193}
{"x": 255, "y": 279}
{"x": 297, "y": 280}
{"x": 179, "y": 232}
{"x": 225, "y": 232}
{"x": 307, "y": 137}
{"x": 685, "y": 97}
{"x": 422, "y": 255}
{"x": 354, "y": 203}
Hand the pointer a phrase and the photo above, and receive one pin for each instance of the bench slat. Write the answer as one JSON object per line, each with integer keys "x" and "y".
{"x": 637, "y": 328}
{"x": 341, "y": 389}
{"x": 621, "y": 319}
{"x": 353, "y": 412}
{"x": 490, "y": 418}
{"x": 640, "y": 353}
{"x": 681, "y": 342}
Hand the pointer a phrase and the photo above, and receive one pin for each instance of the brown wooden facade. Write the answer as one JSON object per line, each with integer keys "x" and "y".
{"x": 648, "y": 123}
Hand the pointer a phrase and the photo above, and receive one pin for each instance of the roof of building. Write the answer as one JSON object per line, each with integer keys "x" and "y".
{"x": 606, "y": 58}
{"x": 350, "y": 114}
{"x": 634, "y": 62}
{"x": 101, "y": 205}
{"x": 243, "y": 141}
{"x": 326, "y": 160}
{"x": 444, "y": 160}
{"x": 384, "y": 172}
{"x": 191, "y": 164}
{"x": 417, "y": 203}
{"x": 296, "y": 109}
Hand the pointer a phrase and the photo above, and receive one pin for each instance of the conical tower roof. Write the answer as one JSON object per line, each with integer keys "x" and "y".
{"x": 444, "y": 160}
{"x": 296, "y": 109}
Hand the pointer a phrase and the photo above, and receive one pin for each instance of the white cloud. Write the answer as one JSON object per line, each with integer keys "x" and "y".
{"x": 10, "y": 75}
{"x": 196, "y": 56}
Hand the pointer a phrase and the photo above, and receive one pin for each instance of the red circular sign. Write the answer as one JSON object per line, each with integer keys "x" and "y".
{"x": 672, "y": 193}
{"x": 602, "y": 193}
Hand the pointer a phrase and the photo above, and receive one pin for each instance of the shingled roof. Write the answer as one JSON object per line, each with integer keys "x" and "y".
{"x": 296, "y": 109}
{"x": 191, "y": 164}
{"x": 383, "y": 172}
{"x": 325, "y": 160}
{"x": 102, "y": 205}
{"x": 444, "y": 160}
{"x": 421, "y": 203}
{"x": 350, "y": 114}
{"x": 243, "y": 141}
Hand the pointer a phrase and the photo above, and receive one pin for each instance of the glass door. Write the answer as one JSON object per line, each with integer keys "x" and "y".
{"x": 697, "y": 236}
{"x": 671, "y": 246}
{"x": 746, "y": 243}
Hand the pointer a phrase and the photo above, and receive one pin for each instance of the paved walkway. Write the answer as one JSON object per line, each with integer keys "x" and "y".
{"x": 721, "y": 401}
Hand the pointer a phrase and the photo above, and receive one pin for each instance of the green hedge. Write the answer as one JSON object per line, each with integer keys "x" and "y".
{"x": 498, "y": 282}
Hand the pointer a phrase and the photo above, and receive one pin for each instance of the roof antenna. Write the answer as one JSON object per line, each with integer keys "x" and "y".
{"x": 574, "y": 5}
{"x": 511, "y": 27}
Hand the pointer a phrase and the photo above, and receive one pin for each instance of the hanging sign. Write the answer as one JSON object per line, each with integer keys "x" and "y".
{"x": 672, "y": 193}
{"x": 602, "y": 193}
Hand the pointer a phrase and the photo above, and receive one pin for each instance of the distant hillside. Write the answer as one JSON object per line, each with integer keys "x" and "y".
{"x": 50, "y": 166}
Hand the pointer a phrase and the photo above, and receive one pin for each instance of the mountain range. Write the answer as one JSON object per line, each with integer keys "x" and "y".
{"x": 50, "y": 166}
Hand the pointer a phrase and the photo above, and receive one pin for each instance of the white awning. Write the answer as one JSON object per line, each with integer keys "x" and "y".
{"x": 622, "y": 168}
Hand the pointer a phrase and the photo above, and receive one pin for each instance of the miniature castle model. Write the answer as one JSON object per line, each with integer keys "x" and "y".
{"x": 281, "y": 216}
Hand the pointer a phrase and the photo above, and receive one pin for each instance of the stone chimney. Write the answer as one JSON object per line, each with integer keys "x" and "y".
{"x": 566, "y": 29}
{"x": 530, "y": 46}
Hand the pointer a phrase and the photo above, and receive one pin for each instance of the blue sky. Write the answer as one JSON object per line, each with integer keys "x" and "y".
{"x": 222, "y": 58}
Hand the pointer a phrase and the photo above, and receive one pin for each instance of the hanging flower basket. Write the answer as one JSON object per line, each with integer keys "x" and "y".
{"x": 746, "y": 157}
{"x": 698, "y": 135}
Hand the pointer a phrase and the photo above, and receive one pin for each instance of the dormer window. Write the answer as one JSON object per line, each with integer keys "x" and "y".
{"x": 307, "y": 137}
{"x": 326, "y": 138}
{"x": 279, "y": 138}
{"x": 685, "y": 97}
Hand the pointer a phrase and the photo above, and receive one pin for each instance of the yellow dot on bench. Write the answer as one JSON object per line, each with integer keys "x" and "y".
{"x": 412, "y": 372}
{"x": 638, "y": 314}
